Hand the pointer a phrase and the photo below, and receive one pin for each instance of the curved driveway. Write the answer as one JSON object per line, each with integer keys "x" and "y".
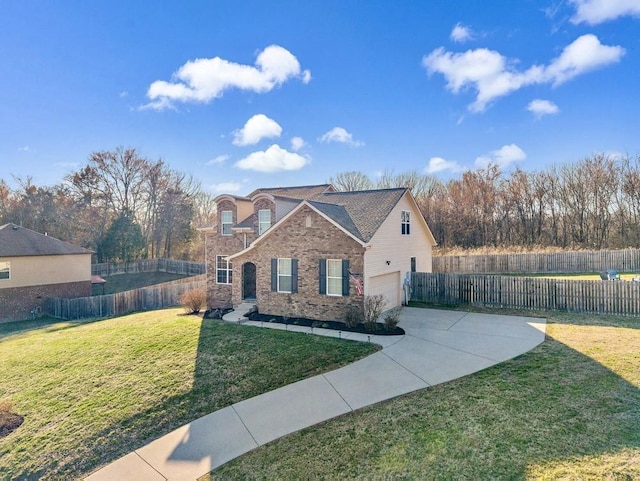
{"x": 438, "y": 346}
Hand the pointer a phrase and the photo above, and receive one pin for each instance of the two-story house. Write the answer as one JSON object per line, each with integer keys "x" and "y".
{"x": 313, "y": 252}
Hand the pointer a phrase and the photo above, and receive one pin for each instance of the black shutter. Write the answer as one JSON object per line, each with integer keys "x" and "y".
{"x": 274, "y": 275}
{"x": 294, "y": 276}
{"x": 345, "y": 277}
{"x": 322, "y": 277}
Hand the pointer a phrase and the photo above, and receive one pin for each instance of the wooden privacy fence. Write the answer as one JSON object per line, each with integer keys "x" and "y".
{"x": 627, "y": 260}
{"x": 150, "y": 265}
{"x": 145, "y": 298}
{"x": 603, "y": 297}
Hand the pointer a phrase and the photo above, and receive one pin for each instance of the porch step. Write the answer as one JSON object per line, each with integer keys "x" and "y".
{"x": 237, "y": 315}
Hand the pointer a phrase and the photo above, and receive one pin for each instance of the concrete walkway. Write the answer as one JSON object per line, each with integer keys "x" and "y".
{"x": 438, "y": 346}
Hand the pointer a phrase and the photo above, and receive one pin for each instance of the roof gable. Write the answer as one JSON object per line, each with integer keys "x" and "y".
{"x": 367, "y": 209}
{"x": 16, "y": 241}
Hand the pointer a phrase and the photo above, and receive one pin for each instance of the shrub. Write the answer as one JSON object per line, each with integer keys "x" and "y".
{"x": 373, "y": 307}
{"x": 194, "y": 300}
{"x": 353, "y": 316}
{"x": 392, "y": 318}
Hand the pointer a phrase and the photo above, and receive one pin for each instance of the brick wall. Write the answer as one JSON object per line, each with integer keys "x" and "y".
{"x": 308, "y": 237}
{"x": 16, "y": 303}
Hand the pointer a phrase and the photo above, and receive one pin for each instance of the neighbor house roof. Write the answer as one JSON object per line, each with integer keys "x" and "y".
{"x": 302, "y": 192}
{"x": 16, "y": 241}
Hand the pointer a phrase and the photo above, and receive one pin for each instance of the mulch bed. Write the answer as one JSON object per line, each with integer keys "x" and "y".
{"x": 9, "y": 422}
{"x": 380, "y": 329}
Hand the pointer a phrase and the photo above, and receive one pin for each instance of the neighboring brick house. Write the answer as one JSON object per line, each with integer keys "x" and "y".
{"x": 313, "y": 252}
{"x": 34, "y": 267}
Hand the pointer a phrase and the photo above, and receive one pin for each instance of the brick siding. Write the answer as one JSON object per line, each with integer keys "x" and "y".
{"x": 16, "y": 303}
{"x": 308, "y": 237}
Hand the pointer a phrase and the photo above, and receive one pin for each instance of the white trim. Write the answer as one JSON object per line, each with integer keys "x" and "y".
{"x": 290, "y": 275}
{"x": 334, "y": 277}
{"x": 228, "y": 270}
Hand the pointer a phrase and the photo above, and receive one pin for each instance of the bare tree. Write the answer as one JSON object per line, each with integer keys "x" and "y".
{"x": 351, "y": 181}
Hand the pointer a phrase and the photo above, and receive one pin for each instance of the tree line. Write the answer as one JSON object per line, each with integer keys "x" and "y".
{"x": 125, "y": 206}
{"x": 119, "y": 204}
{"x": 593, "y": 203}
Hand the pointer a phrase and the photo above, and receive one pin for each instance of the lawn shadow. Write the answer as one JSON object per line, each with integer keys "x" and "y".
{"x": 545, "y": 414}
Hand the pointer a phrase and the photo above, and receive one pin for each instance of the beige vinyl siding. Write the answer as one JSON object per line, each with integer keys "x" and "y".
{"x": 244, "y": 210}
{"x": 388, "y": 244}
{"x": 43, "y": 270}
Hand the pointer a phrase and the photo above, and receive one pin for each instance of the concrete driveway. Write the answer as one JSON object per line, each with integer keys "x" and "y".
{"x": 438, "y": 346}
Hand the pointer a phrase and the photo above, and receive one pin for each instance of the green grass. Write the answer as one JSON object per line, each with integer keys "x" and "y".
{"x": 625, "y": 276}
{"x": 569, "y": 409}
{"x": 92, "y": 392}
{"x": 127, "y": 282}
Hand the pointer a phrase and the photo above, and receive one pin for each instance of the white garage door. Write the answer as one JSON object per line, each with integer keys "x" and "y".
{"x": 389, "y": 286}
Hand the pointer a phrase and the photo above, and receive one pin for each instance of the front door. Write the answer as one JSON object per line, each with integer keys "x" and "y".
{"x": 249, "y": 280}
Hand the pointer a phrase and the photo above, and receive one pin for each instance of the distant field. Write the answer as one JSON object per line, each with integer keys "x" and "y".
{"x": 127, "y": 282}
{"x": 627, "y": 276}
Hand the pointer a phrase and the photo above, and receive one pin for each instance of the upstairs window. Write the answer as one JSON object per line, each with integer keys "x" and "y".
{"x": 223, "y": 270}
{"x": 226, "y": 221}
{"x": 264, "y": 220}
{"x": 406, "y": 222}
{"x": 5, "y": 270}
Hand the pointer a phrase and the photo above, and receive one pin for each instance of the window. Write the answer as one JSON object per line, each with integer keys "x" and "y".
{"x": 223, "y": 270}
{"x": 406, "y": 223}
{"x": 334, "y": 277}
{"x": 264, "y": 220}
{"x": 284, "y": 275}
{"x": 413, "y": 264}
{"x": 226, "y": 220}
{"x": 5, "y": 270}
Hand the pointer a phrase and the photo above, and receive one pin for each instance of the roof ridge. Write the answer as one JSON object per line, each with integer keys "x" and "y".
{"x": 365, "y": 191}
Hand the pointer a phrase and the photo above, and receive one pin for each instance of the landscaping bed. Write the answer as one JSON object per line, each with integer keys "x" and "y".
{"x": 379, "y": 329}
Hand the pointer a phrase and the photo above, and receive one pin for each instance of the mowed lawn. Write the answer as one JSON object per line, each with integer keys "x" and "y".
{"x": 92, "y": 392}
{"x": 129, "y": 281}
{"x": 569, "y": 409}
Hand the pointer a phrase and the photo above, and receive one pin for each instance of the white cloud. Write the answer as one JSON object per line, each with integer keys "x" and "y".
{"x": 204, "y": 79}
{"x": 297, "y": 143}
{"x": 492, "y": 75}
{"x": 220, "y": 159}
{"x": 539, "y": 108}
{"x": 255, "y": 129}
{"x": 226, "y": 187}
{"x": 24, "y": 148}
{"x": 274, "y": 159}
{"x": 594, "y": 12}
{"x": 67, "y": 164}
{"x": 341, "y": 136}
{"x": 461, "y": 33}
{"x": 584, "y": 54}
{"x": 124, "y": 94}
{"x": 502, "y": 157}
{"x": 438, "y": 164}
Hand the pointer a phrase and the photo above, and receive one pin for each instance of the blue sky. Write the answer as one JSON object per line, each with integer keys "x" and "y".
{"x": 247, "y": 94}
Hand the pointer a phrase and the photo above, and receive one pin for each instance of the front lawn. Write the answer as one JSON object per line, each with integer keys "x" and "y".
{"x": 92, "y": 392}
{"x": 569, "y": 409}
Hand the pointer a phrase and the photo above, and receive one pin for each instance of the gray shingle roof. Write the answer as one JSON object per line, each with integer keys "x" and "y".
{"x": 302, "y": 192}
{"x": 361, "y": 212}
{"x": 16, "y": 241}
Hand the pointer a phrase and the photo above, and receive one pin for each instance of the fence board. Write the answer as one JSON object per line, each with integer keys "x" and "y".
{"x": 145, "y": 298}
{"x": 627, "y": 260}
{"x": 607, "y": 297}
{"x": 172, "y": 266}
